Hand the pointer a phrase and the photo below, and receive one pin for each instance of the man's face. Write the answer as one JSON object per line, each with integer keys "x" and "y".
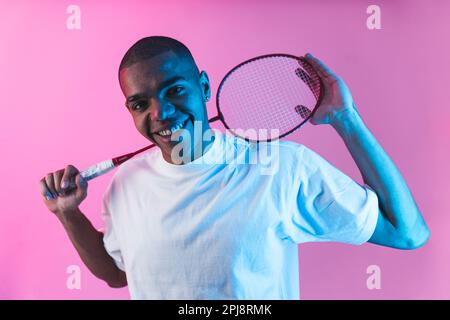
{"x": 165, "y": 94}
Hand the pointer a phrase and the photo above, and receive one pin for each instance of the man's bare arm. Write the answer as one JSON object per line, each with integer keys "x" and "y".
{"x": 400, "y": 223}
{"x": 89, "y": 244}
{"x": 62, "y": 192}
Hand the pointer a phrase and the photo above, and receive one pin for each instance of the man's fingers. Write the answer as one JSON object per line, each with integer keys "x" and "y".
{"x": 46, "y": 190}
{"x": 59, "y": 183}
{"x": 320, "y": 67}
{"x": 81, "y": 184}
{"x": 57, "y": 176}
{"x": 68, "y": 178}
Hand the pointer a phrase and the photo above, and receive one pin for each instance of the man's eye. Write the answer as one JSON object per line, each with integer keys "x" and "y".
{"x": 177, "y": 90}
{"x": 138, "y": 106}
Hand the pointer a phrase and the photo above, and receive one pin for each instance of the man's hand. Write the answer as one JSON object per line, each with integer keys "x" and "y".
{"x": 337, "y": 99}
{"x": 63, "y": 190}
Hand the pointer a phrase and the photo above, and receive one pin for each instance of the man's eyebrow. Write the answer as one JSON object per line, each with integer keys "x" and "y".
{"x": 163, "y": 84}
{"x": 170, "y": 81}
{"x": 133, "y": 98}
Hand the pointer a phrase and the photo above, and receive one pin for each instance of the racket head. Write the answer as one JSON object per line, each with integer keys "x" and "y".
{"x": 273, "y": 94}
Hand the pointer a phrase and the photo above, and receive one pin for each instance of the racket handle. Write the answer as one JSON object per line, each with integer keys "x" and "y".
{"x": 106, "y": 166}
{"x": 97, "y": 170}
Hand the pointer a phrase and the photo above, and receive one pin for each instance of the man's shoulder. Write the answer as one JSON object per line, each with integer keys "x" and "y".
{"x": 292, "y": 147}
{"x": 241, "y": 144}
{"x": 134, "y": 165}
{"x": 286, "y": 155}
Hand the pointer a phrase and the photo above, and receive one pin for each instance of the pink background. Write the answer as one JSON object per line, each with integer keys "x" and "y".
{"x": 61, "y": 103}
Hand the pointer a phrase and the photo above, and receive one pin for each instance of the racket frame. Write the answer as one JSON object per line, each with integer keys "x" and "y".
{"x": 303, "y": 60}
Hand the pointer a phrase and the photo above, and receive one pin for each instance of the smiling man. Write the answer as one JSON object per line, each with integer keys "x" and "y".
{"x": 210, "y": 228}
{"x": 165, "y": 74}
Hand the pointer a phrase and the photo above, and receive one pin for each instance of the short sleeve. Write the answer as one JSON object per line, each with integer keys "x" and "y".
{"x": 328, "y": 205}
{"x": 110, "y": 240}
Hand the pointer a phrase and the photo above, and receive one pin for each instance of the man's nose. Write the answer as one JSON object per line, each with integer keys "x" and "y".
{"x": 160, "y": 110}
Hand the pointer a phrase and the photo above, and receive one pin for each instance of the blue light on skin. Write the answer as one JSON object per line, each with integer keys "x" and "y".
{"x": 400, "y": 223}
{"x": 48, "y": 195}
{"x": 163, "y": 90}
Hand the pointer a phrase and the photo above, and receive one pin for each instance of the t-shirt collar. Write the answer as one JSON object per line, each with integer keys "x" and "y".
{"x": 212, "y": 156}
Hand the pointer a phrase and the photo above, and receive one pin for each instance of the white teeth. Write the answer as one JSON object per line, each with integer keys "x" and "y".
{"x": 174, "y": 129}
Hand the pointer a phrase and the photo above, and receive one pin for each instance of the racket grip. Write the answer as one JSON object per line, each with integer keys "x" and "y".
{"x": 97, "y": 170}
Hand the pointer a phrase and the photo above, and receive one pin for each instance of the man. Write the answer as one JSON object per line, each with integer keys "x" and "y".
{"x": 205, "y": 229}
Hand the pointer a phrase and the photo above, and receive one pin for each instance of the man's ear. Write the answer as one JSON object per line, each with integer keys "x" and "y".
{"x": 205, "y": 86}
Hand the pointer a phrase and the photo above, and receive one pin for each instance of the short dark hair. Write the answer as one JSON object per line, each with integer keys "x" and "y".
{"x": 151, "y": 46}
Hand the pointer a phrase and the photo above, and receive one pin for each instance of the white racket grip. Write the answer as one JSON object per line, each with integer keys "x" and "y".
{"x": 97, "y": 170}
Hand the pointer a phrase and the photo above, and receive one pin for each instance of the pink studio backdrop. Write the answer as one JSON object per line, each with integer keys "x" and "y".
{"x": 61, "y": 104}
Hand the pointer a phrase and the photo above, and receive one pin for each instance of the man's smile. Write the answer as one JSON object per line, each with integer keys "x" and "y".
{"x": 164, "y": 133}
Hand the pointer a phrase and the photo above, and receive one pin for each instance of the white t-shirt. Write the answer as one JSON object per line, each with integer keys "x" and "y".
{"x": 219, "y": 228}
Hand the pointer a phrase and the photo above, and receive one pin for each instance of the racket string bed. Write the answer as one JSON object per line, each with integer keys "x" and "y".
{"x": 267, "y": 93}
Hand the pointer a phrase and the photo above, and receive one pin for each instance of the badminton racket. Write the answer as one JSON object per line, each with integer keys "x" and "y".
{"x": 276, "y": 94}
